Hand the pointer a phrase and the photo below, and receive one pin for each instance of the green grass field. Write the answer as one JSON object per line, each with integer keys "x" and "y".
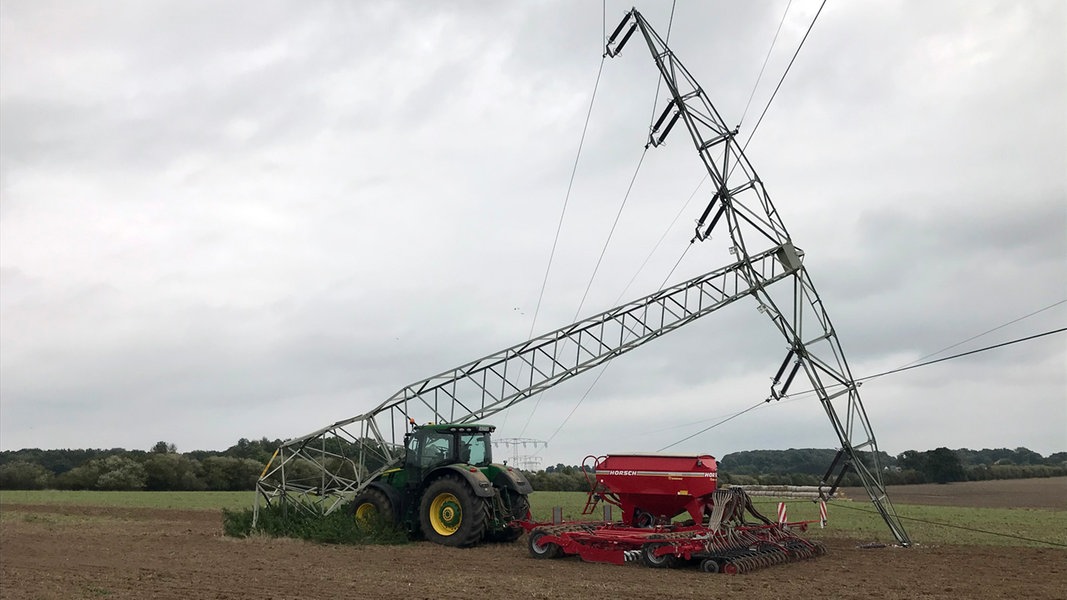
{"x": 846, "y": 518}
{"x": 178, "y": 500}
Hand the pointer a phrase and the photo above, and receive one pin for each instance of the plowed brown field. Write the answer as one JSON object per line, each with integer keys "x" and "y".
{"x": 1047, "y": 493}
{"x": 89, "y": 552}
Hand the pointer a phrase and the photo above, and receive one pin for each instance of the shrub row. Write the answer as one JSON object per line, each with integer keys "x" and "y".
{"x": 307, "y": 523}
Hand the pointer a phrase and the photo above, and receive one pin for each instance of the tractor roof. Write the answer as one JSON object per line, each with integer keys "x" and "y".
{"x": 459, "y": 427}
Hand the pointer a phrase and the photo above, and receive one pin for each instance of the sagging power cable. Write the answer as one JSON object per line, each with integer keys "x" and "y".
{"x": 562, "y": 215}
{"x": 614, "y": 224}
{"x": 629, "y": 189}
{"x": 566, "y": 198}
{"x": 765, "y": 59}
{"x": 998, "y": 327}
{"x": 709, "y": 428}
{"x": 935, "y": 361}
{"x": 780, "y": 81}
{"x": 662, "y": 237}
{"x": 869, "y": 377}
{"x": 799, "y": 395}
{"x": 962, "y": 354}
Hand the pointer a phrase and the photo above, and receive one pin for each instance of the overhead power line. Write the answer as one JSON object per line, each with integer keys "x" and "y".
{"x": 780, "y": 81}
{"x": 710, "y": 427}
{"x": 559, "y": 226}
{"x": 867, "y": 378}
{"x": 962, "y": 354}
{"x": 974, "y": 337}
{"x": 607, "y": 241}
{"x": 765, "y": 59}
{"x": 566, "y": 198}
{"x": 611, "y": 233}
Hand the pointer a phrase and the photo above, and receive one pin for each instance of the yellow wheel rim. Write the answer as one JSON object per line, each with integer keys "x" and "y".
{"x": 366, "y": 512}
{"x": 446, "y": 515}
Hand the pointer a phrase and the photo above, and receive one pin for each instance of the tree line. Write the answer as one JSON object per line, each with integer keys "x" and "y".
{"x": 159, "y": 469}
{"x": 238, "y": 467}
{"x": 806, "y": 466}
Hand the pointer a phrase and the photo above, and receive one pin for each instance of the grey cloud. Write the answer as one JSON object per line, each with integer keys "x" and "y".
{"x": 244, "y": 220}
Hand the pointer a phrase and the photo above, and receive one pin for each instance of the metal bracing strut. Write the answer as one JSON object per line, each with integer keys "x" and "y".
{"x": 752, "y": 222}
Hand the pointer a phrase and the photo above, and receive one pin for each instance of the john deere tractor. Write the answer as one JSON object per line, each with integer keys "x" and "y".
{"x": 449, "y": 488}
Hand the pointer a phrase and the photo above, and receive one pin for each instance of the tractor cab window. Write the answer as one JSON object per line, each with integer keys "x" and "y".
{"x": 436, "y": 448}
{"x": 475, "y": 449}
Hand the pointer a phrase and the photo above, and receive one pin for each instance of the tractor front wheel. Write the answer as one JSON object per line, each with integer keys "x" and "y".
{"x": 370, "y": 507}
{"x": 451, "y": 515}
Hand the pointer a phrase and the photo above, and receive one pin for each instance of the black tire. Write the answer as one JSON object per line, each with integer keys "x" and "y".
{"x": 644, "y": 520}
{"x": 651, "y": 560}
{"x": 520, "y": 505}
{"x": 539, "y": 550}
{"x": 371, "y": 506}
{"x": 451, "y": 515}
{"x": 710, "y": 565}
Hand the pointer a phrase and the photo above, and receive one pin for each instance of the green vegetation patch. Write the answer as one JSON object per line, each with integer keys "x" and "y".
{"x": 929, "y": 524}
{"x": 308, "y": 523}
{"x": 173, "y": 500}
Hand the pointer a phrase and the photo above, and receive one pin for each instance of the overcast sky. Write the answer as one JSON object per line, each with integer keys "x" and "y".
{"x": 226, "y": 220}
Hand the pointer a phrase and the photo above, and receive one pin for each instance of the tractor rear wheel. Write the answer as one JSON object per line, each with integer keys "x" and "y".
{"x": 520, "y": 505}
{"x": 371, "y": 506}
{"x": 451, "y": 515}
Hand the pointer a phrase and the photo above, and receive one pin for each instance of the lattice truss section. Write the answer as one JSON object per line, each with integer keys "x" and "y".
{"x": 324, "y": 468}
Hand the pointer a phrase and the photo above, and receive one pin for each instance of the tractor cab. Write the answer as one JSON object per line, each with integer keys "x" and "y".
{"x": 431, "y": 446}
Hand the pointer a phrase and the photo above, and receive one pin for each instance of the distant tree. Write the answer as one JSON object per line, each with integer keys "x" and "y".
{"x": 806, "y": 461}
{"x": 113, "y": 472}
{"x": 164, "y": 448}
{"x": 912, "y": 459}
{"x": 260, "y": 450}
{"x": 1025, "y": 456}
{"x": 739, "y": 480}
{"x": 941, "y": 465}
{"x": 22, "y": 475}
{"x": 122, "y": 474}
{"x": 169, "y": 471}
{"x": 227, "y": 473}
{"x": 1059, "y": 459}
{"x": 56, "y": 461}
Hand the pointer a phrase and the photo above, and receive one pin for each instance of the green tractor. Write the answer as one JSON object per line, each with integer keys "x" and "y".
{"x": 449, "y": 489}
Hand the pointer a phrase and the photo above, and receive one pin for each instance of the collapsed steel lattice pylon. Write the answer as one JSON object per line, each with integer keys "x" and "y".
{"x": 322, "y": 470}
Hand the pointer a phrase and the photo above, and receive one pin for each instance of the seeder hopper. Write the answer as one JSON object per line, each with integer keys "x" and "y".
{"x": 651, "y": 490}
